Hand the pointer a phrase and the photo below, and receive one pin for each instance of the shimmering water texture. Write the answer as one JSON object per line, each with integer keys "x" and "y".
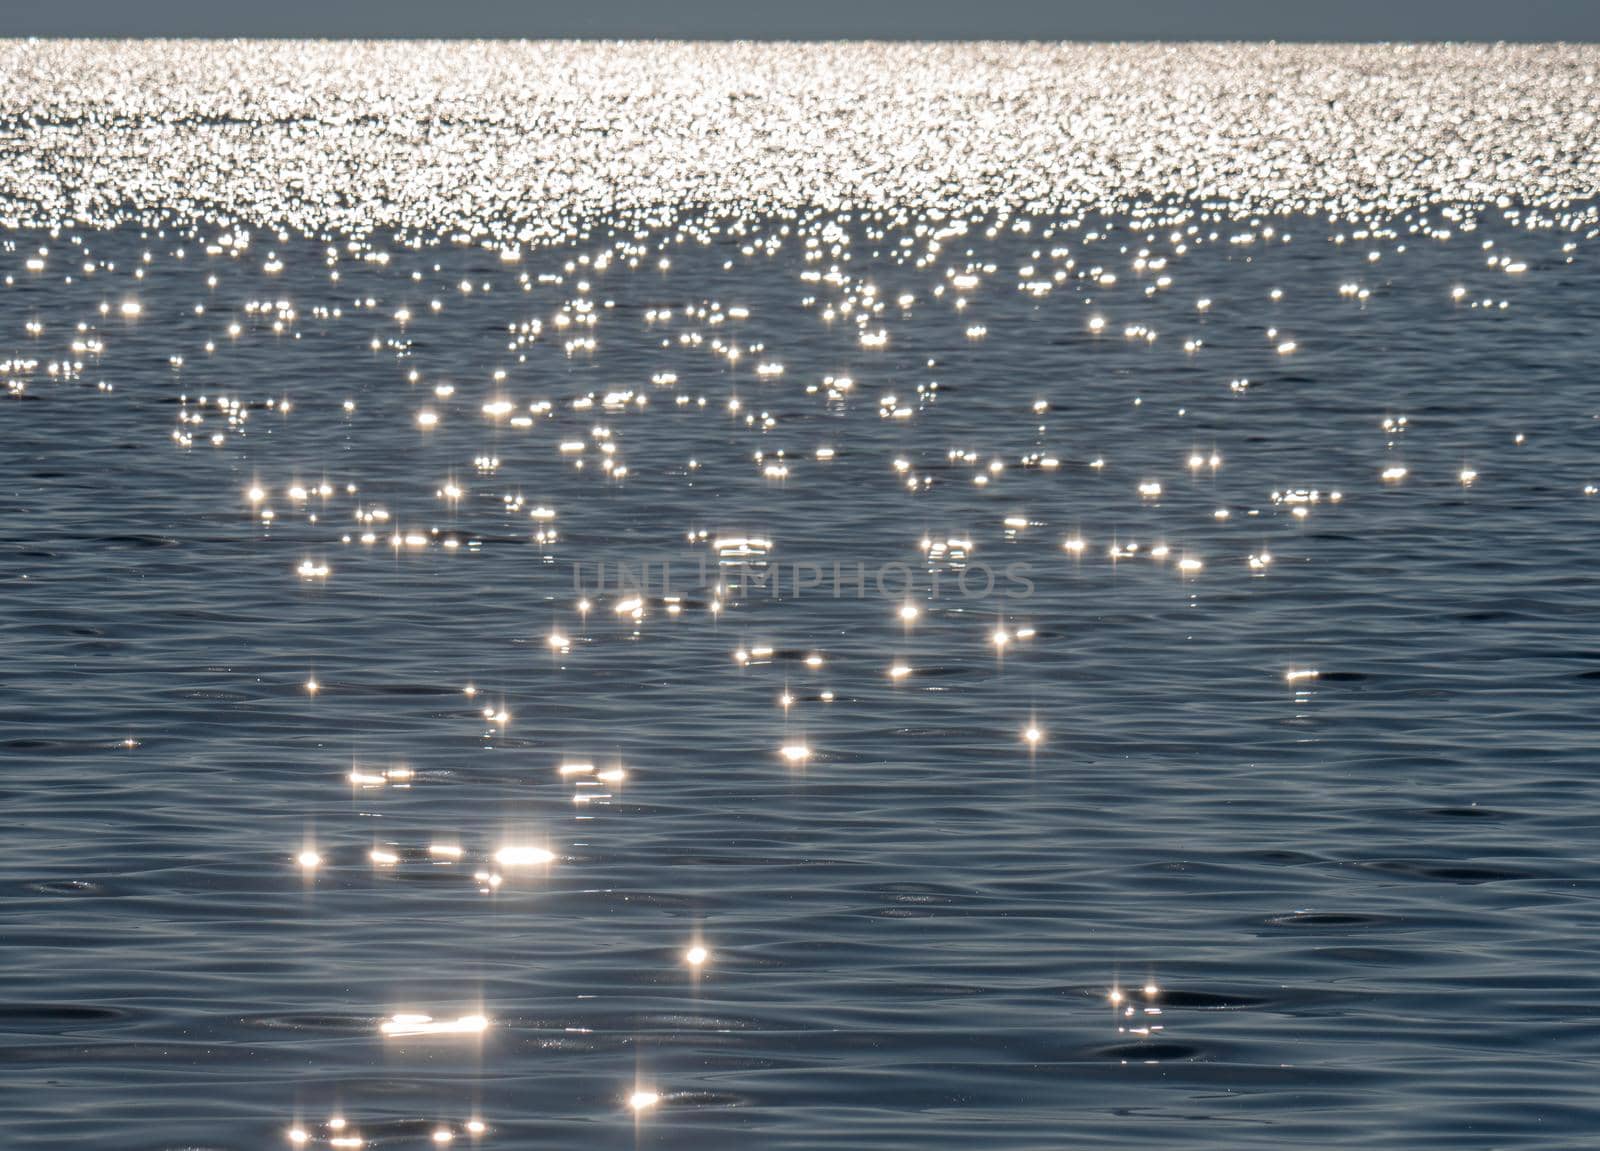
{"x": 338, "y": 816}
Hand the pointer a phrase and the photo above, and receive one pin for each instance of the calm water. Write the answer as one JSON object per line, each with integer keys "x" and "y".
{"x": 1252, "y": 806}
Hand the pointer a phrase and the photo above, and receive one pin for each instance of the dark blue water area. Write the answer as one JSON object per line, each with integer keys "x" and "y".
{"x": 1365, "y": 901}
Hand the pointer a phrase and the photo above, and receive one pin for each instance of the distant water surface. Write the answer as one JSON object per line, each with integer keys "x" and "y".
{"x": 1164, "y": 715}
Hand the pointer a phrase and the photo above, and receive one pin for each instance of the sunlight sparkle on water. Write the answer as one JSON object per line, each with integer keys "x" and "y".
{"x": 420, "y": 344}
{"x": 415, "y": 1024}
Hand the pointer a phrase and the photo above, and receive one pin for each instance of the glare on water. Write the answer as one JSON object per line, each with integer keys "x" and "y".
{"x": 1034, "y": 329}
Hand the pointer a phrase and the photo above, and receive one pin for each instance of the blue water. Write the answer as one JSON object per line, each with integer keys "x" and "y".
{"x": 1217, "y": 900}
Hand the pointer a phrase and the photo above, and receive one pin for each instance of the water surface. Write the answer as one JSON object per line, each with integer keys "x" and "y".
{"x": 1263, "y": 816}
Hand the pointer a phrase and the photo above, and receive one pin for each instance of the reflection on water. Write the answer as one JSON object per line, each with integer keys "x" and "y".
{"x": 551, "y": 611}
